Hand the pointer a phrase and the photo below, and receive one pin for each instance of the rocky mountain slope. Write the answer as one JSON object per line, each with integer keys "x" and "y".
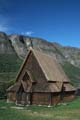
{"x": 22, "y": 43}
{"x": 14, "y": 48}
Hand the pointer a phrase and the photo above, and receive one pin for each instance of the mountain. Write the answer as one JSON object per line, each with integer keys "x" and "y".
{"x": 14, "y": 48}
{"x": 22, "y": 43}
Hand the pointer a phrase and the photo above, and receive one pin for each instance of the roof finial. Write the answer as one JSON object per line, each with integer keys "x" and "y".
{"x": 30, "y": 48}
{"x": 31, "y": 44}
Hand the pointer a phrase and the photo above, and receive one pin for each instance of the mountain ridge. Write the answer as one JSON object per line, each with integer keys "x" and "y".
{"x": 19, "y": 45}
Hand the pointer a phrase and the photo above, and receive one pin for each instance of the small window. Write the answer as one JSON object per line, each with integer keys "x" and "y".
{"x": 26, "y": 77}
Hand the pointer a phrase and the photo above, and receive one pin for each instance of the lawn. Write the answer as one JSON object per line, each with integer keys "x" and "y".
{"x": 65, "y": 111}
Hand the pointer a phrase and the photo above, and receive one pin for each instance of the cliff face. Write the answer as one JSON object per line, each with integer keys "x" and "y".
{"x": 14, "y": 48}
{"x": 5, "y": 46}
{"x": 22, "y": 43}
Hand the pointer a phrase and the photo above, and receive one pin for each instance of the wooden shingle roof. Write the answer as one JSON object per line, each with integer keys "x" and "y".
{"x": 51, "y": 68}
{"x": 14, "y": 88}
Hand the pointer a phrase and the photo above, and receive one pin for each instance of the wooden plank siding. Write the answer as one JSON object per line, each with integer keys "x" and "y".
{"x": 41, "y": 98}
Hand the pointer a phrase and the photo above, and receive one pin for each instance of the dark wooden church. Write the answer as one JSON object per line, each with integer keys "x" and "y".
{"x": 41, "y": 80}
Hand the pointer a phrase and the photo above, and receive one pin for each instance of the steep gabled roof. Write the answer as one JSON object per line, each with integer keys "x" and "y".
{"x": 50, "y": 67}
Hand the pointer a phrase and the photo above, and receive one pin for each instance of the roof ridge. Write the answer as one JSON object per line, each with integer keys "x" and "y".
{"x": 42, "y": 52}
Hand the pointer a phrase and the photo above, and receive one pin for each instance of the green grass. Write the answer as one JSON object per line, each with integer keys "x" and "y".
{"x": 70, "y": 111}
{"x": 9, "y": 63}
{"x": 9, "y": 66}
{"x": 7, "y": 76}
{"x": 72, "y": 72}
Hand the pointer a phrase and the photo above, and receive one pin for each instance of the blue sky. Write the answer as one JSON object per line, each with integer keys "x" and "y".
{"x": 53, "y": 20}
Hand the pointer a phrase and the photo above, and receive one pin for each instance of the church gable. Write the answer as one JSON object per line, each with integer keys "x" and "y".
{"x": 40, "y": 81}
{"x": 44, "y": 71}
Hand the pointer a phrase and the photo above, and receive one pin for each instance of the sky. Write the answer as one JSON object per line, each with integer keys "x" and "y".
{"x": 53, "y": 20}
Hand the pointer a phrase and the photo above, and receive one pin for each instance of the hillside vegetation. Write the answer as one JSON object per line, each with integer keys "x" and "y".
{"x": 9, "y": 66}
{"x": 72, "y": 72}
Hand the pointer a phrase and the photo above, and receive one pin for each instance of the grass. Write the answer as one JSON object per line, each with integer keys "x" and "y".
{"x": 9, "y": 66}
{"x": 70, "y": 111}
{"x": 72, "y": 72}
{"x": 9, "y": 63}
